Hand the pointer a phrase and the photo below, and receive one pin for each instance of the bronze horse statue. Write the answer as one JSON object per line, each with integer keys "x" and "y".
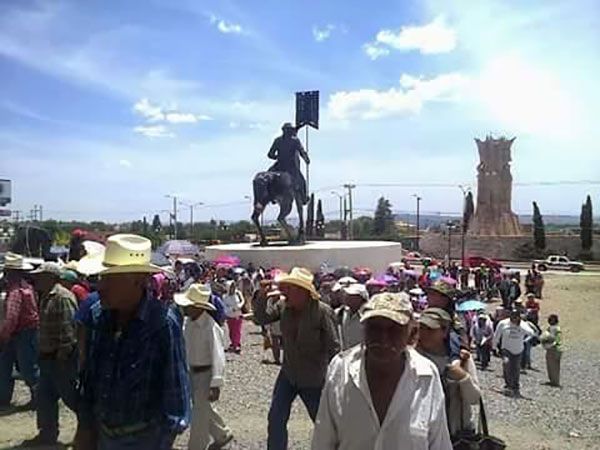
{"x": 32, "y": 241}
{"x": 278, "y": 187}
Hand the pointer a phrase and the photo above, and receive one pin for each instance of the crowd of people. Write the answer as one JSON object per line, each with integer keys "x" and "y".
{"x": 383, "y": 361}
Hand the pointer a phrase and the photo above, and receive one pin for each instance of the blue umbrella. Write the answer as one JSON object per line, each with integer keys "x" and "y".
{"x": 470, "y": 305}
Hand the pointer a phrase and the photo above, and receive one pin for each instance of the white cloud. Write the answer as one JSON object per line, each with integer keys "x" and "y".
{"x": 155, "y": 113}
{"x": 375, "y": 51}
{"x": 225, "y": 26}
{"x": 434, "y": 37}
{"x": 125, "y": 163}
{"x": 154, "y": 131}
{"x": 527, "y": 98}
{"x": 409, "y": 98}
{"x": 324, "y": 33}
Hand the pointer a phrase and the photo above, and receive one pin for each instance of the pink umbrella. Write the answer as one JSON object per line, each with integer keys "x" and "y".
{"x": 449, "y": 280}
{"x": 227, "y": 260}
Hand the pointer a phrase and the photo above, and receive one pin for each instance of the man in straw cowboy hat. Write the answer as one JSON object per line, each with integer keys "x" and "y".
{"x": 206, "y": 358}
{"x": 135, "y": 386}
{"x": 382, "y": 394}
{"x": 309, "y": 342}
{"x": 57, "y": 352}
{"x": 19, "y": 331}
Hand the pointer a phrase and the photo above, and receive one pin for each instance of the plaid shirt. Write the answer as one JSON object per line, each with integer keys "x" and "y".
{"x": 20, "y": 310}
{"x": 138, "y": 375}
{"x": 58, "y": 336}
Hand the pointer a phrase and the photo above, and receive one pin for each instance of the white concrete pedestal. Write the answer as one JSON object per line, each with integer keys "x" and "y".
{"x": 373, "y": 254}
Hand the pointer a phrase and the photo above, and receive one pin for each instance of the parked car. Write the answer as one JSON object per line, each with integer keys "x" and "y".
{"x": 412, "y": 258}
{"x": 478, "y": 261}
{"x": 559, "y": 263}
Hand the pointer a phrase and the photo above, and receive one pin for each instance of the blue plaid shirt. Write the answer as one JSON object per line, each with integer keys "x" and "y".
{"x": 139, "y": 375}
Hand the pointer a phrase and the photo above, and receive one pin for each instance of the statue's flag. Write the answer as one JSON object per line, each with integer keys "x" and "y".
{"x": 307, "y": 109}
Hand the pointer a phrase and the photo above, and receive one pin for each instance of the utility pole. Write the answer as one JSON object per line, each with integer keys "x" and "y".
{"x": 41, "y": 213}
{"x": 464, "y": 190}
{"x": 174, "y": 214}
{"x": 17, "y": 215}
{"x": 191, "y": 206}
{"x": 351, "y": 224}
{"x": 418, "y": 216}
{"x": 341, "y": 198}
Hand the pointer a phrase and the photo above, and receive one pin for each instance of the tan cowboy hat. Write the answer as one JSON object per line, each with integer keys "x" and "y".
{"x": 301, "y": 277}
{"x": 13, "y": 261}
{"x": 198, "y": 296}
{"x": 128, "y": 253}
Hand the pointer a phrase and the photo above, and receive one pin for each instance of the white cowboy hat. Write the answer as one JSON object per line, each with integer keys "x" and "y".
{"x": 128, "y": 253}
{"x": 302, "y": 278}
{"x": 198, "y": 296}
{"x": 13, "y": 261}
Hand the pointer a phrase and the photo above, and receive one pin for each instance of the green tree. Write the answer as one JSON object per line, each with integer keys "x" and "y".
{"x": 539, "y": 231}
{"x": 586, "y": 224}
{"x": 383, "y": 221}
{"x": 320, "y": 222}
{"x": 468, "y": 211}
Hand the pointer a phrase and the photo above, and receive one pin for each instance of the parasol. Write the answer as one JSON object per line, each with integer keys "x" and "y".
{"x": 470, "y": 305}
{"x": 179, "y": 248}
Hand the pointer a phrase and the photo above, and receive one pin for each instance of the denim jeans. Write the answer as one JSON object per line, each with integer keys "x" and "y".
{"x": 284, "y": 394}
{"x": 483, "y": 354}
{"x": 511, "y": 365}
{"x": 58, "y": 380}
{"x": 526, "y": 358}
{"x": 23, "y": 349}
{"x": 153, "y": 438}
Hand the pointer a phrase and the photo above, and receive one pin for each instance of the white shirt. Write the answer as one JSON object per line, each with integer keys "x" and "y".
{"x": 512, "y": 336}
{"x": 233, "y": 304}
{"x": 351, "y": 330}
{"x": 204, "y": 345}
{"x": 415, "y": 420}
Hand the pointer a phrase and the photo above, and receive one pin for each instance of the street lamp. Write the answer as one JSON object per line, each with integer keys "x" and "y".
{"x": 174, "y": 215}
{"x": 191, "y": 206}
{"x": 450, "y": 226}
{"x": 341, "y": 198}
{"x": 418, "y": 216}
{"x": 465, "y": 190}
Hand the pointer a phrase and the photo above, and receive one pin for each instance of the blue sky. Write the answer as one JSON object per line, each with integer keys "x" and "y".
{"x": 106, "y": 106}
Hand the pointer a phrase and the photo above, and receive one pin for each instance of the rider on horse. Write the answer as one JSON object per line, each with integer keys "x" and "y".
{"x": 287, "y": 150}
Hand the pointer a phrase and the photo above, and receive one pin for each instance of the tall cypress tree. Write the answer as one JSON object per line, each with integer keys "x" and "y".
{"x": 320, "y": 222}
{"x": 469, "y": 210}
{"x": 586, "y": 224}
{"x": 539, "y": 231}
{"x": 383, "y": 221}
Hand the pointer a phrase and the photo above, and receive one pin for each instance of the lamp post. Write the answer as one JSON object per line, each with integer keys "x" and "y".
{"x": 465, "y": 190}
{"x": 450, "y": 226}
{"x": 418, "y": 216}
{"x": 350, "y": 187}
{"x": 174, "y": 214}
{"x": 341, "y": 198}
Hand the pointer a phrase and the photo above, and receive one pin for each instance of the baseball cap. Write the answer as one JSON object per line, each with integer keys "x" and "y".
{"x": 69, "y": 275}
{"x": 393, "y": 306}
{"x": 435, "y": 318}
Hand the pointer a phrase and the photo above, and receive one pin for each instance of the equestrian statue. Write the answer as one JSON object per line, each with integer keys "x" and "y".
{"x": 283, "y": 184}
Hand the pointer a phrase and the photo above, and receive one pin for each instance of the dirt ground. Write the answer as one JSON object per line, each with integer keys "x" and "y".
{"x": 573, "y": 296}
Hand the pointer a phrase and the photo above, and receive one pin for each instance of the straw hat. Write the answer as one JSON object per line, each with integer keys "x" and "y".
{"x": 302, "y": 278}
{"x": 198, "y": 296}
{"x": 13, "y": 261}
{"x": 48, "y": 267}
{"x": 128, "y": 253}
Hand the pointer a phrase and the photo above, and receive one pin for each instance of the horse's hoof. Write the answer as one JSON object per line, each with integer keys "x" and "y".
{"x": 264, "y": 243}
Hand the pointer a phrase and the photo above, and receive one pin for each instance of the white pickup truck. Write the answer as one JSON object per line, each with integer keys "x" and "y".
{"x": 560, "y": 263}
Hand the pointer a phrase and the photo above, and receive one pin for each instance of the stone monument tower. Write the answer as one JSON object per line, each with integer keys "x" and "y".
{"x": 493, "y": 213}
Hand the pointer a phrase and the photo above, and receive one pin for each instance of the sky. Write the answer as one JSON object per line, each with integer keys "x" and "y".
{"x": 107, "y": 107}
